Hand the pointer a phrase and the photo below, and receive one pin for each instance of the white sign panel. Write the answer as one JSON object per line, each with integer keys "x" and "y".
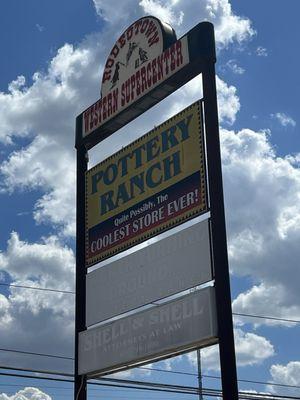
{"x": 171, "y": 265}
{"x": 171, "y": 328}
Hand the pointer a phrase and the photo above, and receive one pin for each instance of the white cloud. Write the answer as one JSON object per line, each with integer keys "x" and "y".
{"x": 28, "y": 393}
{"x": 45, "y": 165}
{"x": 288, "y": 374}
{"x": 261, "y": 51}
{"x": 262, "y": 193}
{"x": 39, "y": 27}
{"x": 44, "y": 261}
{"x": 41, "y": 321}
{"x": 184, "y": 14}
{"x": 228, "y": 101}
{"x": 163, "y": 11}
{"x": 284, "y": 119}
{"x": 234, "y": 67}
{"x": 266, "y": 300}
{"x": 251, "y": 349}
{"x": 45, "y": 111}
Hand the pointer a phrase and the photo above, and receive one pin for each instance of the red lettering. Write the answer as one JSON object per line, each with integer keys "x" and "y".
{"x": 127, "y": 91}
{"x": 138, "y": 85}
{"x": 115, "y": 100}
{"x": 144, "y": 25}
{"x": 132, "y": 81}
{"x": 104, "y": 110}
{"x": 106, "y": 76}
{"x": 143, "y": 77}
{"x": 115, "y": 51}
{"x": 129, "y": 32}
{"x": 123, "y": 95}
{"x": 151, "y": 29}
{"x": 109, "y": 63}
{"x": 149, "y": 75}
{"x": 109, "y": 104}
{"x": 160, "y": 67}
{"x": 153, "y": 39}
{"x": 166, "y": 60}
{"x": 137, "y": 26}
{"x": 99, "y": 106}
{"x": 179, "y": 53}
{"x": 154, "y": 75}
{"x": 97, "y": 116}
{"x": 172, "y": 53}
{"x": 122, "y": 40}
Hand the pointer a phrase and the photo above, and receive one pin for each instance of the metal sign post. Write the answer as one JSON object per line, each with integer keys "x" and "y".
{"x": 218, "y": 236}
{"x": 80, "y": 385}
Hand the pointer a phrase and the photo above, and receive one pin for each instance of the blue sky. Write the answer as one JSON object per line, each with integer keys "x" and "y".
{"x": 51, "y": 71}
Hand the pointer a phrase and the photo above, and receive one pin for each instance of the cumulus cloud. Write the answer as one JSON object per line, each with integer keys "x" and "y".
{"x": 45, "y": 112}
{"x": 163, "y": 10}
{"x": 183, "y": 14}
{"x": 45, "y": 165}
{"x": 288, "y": 374}
{"x": 233, "y": 66}
{"x": 262, "y": 194}
{"x": 261, "y": 51}
{"x": 60, "y": 92}
{"x": 39, "y": 27}
{"x": 266, "y": 300}
{"x": 42, "y": 321}
{"x": 284, "y": 119}
{"x": 251, "y": 349}
{"x": 28, "y": 393}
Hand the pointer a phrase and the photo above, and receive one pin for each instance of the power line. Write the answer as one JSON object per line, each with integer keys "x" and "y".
{"x": 37, "y": 354}
{"x": 37, "y": 371}
{"x": 266, "y": 317}
{"x": 217, "y": 377}
{"x": 36, "y": 376}
{"x": 145, "y": 368}
{"x": 37, "y": 288}
{"x": 151, "y": 386}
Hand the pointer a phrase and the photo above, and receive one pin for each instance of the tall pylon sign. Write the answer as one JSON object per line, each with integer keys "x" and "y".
{"x": 168, "y": 178}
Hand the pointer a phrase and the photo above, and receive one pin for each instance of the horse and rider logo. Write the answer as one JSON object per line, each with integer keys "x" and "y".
{"x": 133, "y": 49}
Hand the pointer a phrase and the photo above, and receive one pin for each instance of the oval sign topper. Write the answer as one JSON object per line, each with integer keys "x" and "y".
{"x": 143, "y": 57}
{"x": 143, "y": 41}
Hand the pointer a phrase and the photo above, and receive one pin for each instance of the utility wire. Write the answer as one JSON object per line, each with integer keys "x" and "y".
{"x": 37, "y": 371}
{"x": 37, "y": 354}
{"x": 36, "y": 288}
{"x": 144, "y": 368}
{"x": 151, "y": 386}
{"x": 217, "y": 377}
{"x": 266, "y": 317}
